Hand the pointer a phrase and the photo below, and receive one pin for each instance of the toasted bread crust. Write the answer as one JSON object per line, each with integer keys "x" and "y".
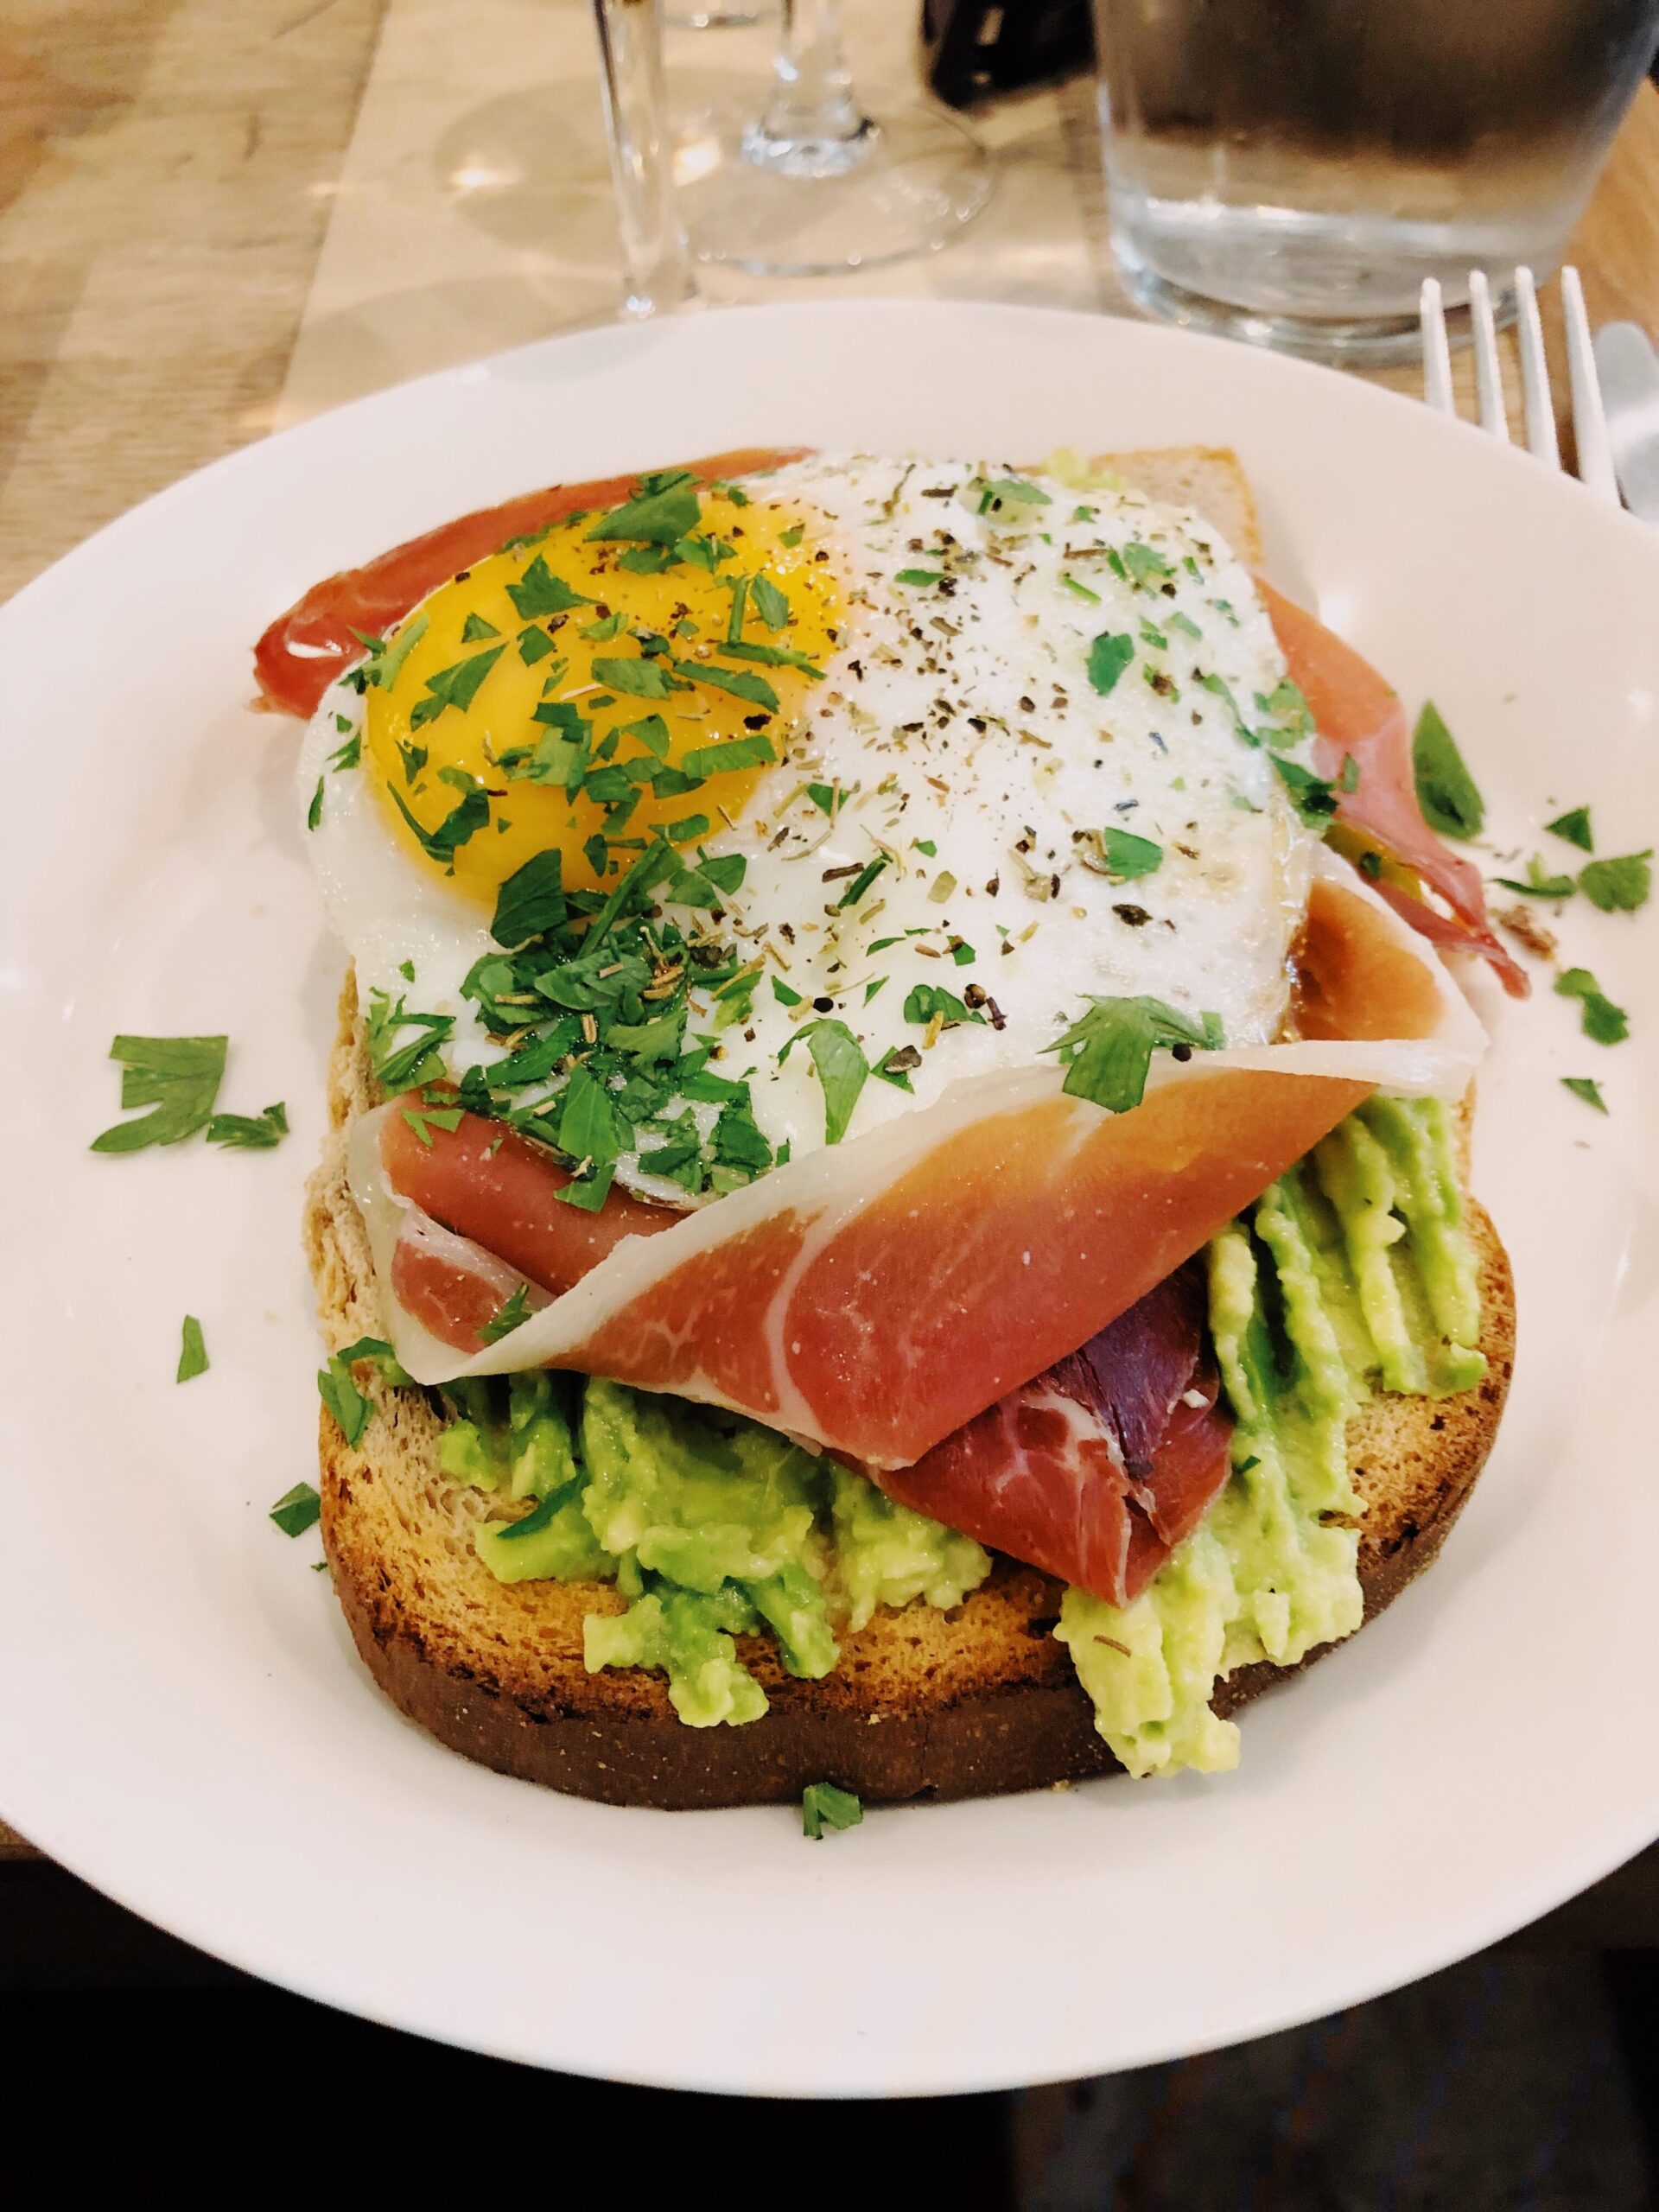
{"x": 923, "y": 1704}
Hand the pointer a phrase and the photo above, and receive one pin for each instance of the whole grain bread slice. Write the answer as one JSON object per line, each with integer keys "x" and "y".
{"x": 923, "y": 1704}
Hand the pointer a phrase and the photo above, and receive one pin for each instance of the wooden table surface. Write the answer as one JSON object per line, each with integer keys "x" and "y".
{"x": 218, "y": 215}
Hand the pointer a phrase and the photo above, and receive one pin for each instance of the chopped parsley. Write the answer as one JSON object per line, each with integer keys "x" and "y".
{"x": 401, "y": 1067}
{"x": 1127, "y": 856}
{"x": 842, "y": 1070}
{"x": 1109, "y": 656}
{"x": 376, "y": 1352}
{"x": 470, "y": 814}
{"x": 425, "y": 1118}
{"x": 1618, "y": 886}
{"x": 664, "y": 508}
{"x": 771, "y": 604}
{"x": 924, "y": 579}
{"x": 454, "y": 686}
{"x": 1314, "y": 799}
{"x": 178, "y": 1076}
{"x": 996, "y": 498}
{"x": 1445, "y": 791}
{"x": 861, "y": 882}
{"x": 1538, "y": 884}
{"x": 926, "y": 1002}
{"x": 297, "y": 1510}
{"x": 192, "y": 1352}
{"x": 250, "y": 1132}
{"x": 1574, "y": 826}
{"x": 534, "y": 644}
{"x": 1108, "y": 1053}
{"x": 639, "y": 678}
{"x": 823, "y": 1805}
{"x": 1583, "y": 1086}
{"x": 385, "y": 664}
{"x": 314, "y": 812}
{"x": 731, "y": 753}
{"x": 339, "y": 1393}
{"x": 539, "y": 592}
{"x": 1604, "y": 1022}
{"x": 737, "y": 681}
{"x": 511, "y": 1314}
{"x": 531, "y": 900}
{"x": 1080, "y": 590}
{"x": 1145, "y": 564}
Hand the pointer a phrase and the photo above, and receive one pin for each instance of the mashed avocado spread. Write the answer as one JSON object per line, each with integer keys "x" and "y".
{"x": 1352, "y": 1270}
{"x": 709, "y": 1525}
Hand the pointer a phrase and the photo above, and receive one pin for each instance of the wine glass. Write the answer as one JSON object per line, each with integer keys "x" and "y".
{"x": 656, "y": 263}
{"x": 815, "y": 185}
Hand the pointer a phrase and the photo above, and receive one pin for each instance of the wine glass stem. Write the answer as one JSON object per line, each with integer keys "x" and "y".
{"x": 813, "y": 124}
{"x": 656, "y": 265}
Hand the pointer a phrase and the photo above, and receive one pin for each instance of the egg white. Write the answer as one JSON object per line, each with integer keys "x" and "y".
{"x": 959, "y": 717}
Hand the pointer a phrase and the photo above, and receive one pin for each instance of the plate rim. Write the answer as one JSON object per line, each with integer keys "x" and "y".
{"x": 1567, "y": 1880}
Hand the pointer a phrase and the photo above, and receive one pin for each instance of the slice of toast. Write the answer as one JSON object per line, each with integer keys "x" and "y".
{"x": 923, "y": 1704}
{"x": 1211, "y": 479}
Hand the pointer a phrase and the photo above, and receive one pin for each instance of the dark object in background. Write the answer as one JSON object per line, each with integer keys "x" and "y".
{"x": 975, "y": 48}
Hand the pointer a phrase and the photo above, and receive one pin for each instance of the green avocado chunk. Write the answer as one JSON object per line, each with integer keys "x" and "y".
{"x": 712, "y": 1527}
{"x": 1355, "y": 1269}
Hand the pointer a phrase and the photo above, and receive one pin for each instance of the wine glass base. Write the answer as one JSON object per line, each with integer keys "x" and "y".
{"x": 911, "y": 184}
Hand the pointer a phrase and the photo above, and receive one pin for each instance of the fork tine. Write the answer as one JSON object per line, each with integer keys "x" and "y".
{"x": 1488, "y": 383}
{"x": 1589, "y": 419}
{"x": 1538, "y": 410}
{"x": 1437, "y": 354}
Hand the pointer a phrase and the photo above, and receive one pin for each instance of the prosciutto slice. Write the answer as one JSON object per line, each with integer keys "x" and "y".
{"x": 1096, "y": 1470}
{"x": 874, "y": 1295}
{"x": 1358, "y": 716}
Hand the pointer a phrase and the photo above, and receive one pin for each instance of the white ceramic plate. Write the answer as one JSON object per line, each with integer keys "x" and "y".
{"x": 183, "y": 1719}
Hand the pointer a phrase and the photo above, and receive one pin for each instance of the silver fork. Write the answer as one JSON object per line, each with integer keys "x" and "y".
{"x": 1538, "y": 413}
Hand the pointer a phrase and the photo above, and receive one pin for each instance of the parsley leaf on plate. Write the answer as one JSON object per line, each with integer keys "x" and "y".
{"x": 1538, "y": 883}
{"x": 297, "y": 1510}
{"x": 1574, "y": 826}
{"x": 1445, "y": 791}
{"x": 179, "y": 1077}
{"x": 1618, "y": 886}
{"x": 192, "y": 1352}
{"x": 250, "y": 1132}
{"x": 1604, "y": 1021}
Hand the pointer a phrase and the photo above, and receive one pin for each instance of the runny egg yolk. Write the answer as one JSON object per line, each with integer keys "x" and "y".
{"x": 577, "y": 693}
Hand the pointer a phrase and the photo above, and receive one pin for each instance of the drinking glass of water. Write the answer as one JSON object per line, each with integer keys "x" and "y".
{"x": 1289, "y": 171}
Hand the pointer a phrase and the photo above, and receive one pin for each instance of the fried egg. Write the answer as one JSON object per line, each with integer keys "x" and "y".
{"x": 946, "y": 750}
